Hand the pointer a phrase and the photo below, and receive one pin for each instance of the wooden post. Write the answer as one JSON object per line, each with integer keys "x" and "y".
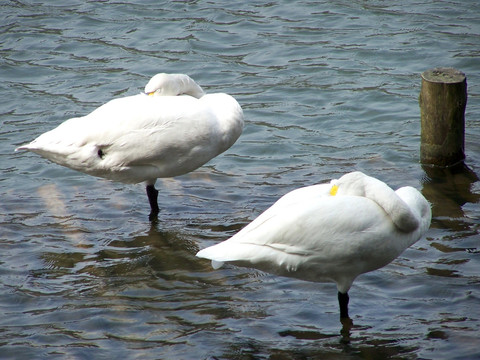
{"x": 443, "y": 98}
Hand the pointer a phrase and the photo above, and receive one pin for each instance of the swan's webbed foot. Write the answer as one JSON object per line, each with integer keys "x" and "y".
{"x": 152, "y": 194}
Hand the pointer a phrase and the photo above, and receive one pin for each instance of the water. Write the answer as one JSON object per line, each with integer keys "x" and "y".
{"x": 326, "y": 87}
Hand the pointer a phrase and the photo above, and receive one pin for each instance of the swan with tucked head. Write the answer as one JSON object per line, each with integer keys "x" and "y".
{"x": 329, "y": 232}
{"x": 140, "y": 138}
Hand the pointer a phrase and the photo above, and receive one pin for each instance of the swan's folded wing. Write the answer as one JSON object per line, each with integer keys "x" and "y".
{"x": 134, "y": 139}
{"x": 329, "y": 231}
{"x": 283, "y": 205}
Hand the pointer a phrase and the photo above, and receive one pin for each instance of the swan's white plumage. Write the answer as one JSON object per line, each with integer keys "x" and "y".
{"x": 142, "y": 138}
{"x": 173, "y": 85}
{"x": 312, "y": 235}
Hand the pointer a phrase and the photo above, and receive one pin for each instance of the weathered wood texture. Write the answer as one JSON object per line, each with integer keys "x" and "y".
{"x": 443, "y": 98}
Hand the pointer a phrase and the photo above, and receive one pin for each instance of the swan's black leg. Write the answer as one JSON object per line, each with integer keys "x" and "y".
{"x": 343, "y": 302}
{"x": 152, "y": 194}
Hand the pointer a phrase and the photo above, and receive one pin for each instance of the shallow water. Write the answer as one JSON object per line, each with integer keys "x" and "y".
{"x": 326, "y": 87}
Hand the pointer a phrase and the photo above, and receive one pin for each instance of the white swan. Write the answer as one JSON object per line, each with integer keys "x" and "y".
{"x": 329, "y": 232}
{"x": 141, "y": 138}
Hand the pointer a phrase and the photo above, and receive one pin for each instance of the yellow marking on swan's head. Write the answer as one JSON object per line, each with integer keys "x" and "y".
{"x": 333, "y": 190}
{"x": 151, "y": 93}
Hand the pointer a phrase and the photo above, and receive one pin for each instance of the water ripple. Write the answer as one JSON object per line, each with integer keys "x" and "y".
{"x": 326, "y": 88}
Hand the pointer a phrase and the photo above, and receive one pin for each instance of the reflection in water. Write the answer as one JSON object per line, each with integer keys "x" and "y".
{"x": 163, "y": 254}
{"x": 316, "y": 345}
{"x": 448, "y": 189}
{"x": 134, "y": 284}
{"x": 154, "y": 286}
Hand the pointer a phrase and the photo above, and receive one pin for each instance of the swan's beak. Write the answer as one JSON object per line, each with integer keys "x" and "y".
{"x": 333, "y": 190}
{"x": 151, "y": 93}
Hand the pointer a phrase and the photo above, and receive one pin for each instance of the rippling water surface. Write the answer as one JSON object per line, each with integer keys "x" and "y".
{"x": 327, "y": 87}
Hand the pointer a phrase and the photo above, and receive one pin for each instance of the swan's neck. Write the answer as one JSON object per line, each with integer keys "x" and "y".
{"x": 189, "y": 87}
{"x": 399, "y": 211}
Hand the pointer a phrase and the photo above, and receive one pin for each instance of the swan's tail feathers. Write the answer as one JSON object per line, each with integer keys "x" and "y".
{"x": 217, "y": 264}
{"x": 209, "y": 253}
{"x": 33, "y": 147}
{"x": 53, "y": 151}
{"x": 23, "y": 147}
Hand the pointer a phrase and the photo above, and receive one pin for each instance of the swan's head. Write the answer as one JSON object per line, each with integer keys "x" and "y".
{"x": 173, "y": 85}
{"x": 353, "y": 183}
